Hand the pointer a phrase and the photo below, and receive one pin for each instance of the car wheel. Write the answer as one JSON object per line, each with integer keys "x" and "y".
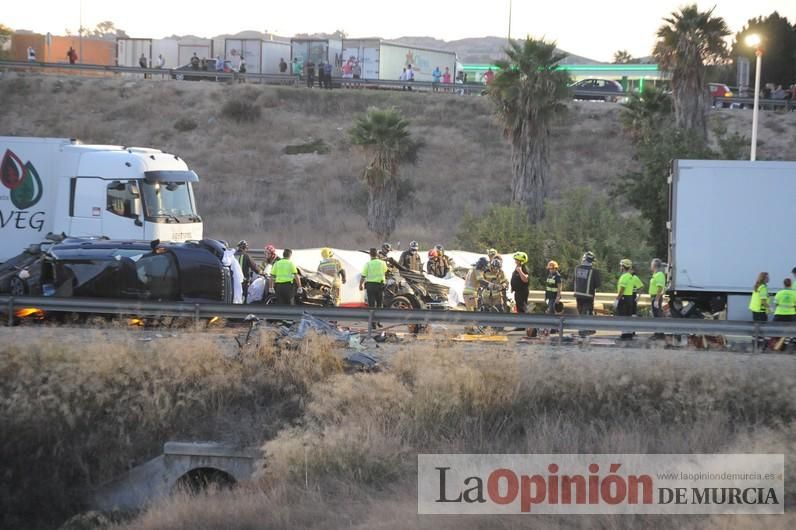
{"x": 401, "y": 302}
{"x": 17, "y": 286}
{"x": 179, "y": 77}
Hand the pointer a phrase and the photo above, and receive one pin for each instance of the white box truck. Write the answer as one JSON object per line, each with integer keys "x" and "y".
{"x": 59, "y": 185}
{"x": 728, "y": 221}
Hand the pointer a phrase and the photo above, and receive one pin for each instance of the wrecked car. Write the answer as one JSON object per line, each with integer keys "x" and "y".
{"x": 141, "y": 270}
{"x": 407, "y": 289}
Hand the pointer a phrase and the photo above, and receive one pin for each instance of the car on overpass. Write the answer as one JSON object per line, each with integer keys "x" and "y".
{"x": 598, "y": 90}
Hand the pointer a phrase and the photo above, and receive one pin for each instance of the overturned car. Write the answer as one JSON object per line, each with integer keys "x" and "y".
{"x": 192, "y": 271}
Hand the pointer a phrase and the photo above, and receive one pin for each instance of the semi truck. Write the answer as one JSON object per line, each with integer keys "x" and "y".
{"x": 728, "y": 221}
{"x": 61, "y": 186}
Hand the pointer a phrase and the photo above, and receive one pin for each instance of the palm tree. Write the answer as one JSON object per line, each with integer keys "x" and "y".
{"x": 645, "y": 113}
{"x": 690, "y": 39}
{"x": 529, "y": 91}
{"x": 623, "y": 57}
{"x": 384, "y": 134}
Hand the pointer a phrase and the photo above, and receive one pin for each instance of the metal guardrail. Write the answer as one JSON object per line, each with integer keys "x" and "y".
{"x": 271, "y": 79}
{"x": 229, "y": 311}
{"x": 749, "y": 102}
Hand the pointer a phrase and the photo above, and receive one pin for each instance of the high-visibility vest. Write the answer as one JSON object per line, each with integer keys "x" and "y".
{"x": 658, "y": 280}
{"x": 758, "y": 296}
{"x": 786, "y": 302}
{"x": 283, "y": 271}
{"x": 375, "y": 271}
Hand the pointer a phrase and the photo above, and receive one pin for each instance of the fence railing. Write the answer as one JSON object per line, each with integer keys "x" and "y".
{"x": 198, "y": 312}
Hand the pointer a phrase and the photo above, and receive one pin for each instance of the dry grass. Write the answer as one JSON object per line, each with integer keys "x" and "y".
{"x": 77, "y": 413}
{"x": 251, "y": 189}
{"x": 357, "y": 441}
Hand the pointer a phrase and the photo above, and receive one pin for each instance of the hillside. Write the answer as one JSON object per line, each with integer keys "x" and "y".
{"x": 251, "y": 189}
{"x": 478, "y": 49}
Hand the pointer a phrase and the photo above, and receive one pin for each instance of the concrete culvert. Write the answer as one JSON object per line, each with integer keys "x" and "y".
{"x": 204, "y": 478}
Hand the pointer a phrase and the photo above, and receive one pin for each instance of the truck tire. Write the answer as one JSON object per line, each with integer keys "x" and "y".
{"x": 18, "y": 287}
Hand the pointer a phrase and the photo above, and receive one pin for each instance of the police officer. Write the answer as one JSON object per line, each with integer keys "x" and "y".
{"x": 587, "y": 281}
{"x": 332, "y": 267}
{"x": 373, "y": 278}
{"x": 286, "y": 280}
{"x": 625, "y": 289}
{"x": 410, "y": 258}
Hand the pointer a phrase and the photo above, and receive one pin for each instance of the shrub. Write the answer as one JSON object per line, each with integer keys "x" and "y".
{"x": 580, "y": 220}
{"x": 241, "y": 111}
{"x": 315, "y": 146}
{"x": 185, "y": 124}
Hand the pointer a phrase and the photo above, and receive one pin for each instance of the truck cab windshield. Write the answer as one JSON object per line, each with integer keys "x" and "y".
{"x": 168, "y": 201}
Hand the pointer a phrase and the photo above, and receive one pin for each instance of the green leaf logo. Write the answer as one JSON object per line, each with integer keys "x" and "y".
{"x": 29, "y": 190}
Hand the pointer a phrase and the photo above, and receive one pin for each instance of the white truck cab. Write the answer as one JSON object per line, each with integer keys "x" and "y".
{"x": 63, "y": 186}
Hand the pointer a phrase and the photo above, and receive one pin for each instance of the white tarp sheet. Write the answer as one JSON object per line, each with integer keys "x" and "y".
{"x": 354, "y": 261}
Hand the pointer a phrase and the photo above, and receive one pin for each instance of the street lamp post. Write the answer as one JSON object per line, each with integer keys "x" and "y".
{"x": 753, "y": 40}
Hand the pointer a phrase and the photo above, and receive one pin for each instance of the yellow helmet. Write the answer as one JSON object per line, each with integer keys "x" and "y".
{"x": 491, "y": 253}
{"x": 626, "y": 263}
{"x": 522, "y": 257}
{"x": 326, "y": 252}
{"x": 552, "y": 265}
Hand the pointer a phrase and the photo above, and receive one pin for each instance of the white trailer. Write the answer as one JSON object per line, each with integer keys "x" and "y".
{"x": 272, "y": 52}
{"x": 59, "y": 185}
{"x": 318, "y": 50}
{"x": 169, "y": 49}
{"x": 728, "y": 221}
{"x": 385, "y": 60}
{"x": 186, "y": 48}
{"x": 249, "y": 49}
{"x": 128, "y": 51}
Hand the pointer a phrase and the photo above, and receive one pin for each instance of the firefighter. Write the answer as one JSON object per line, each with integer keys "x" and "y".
{"x": 436, "y": 266}
{"x": 332, "y": 267}
{"x": 492, "y": 254}
{"x": 472, "y": 282}
{"x": 552, "y": 287}
{"x": 270, "y": 258}
{"x": 447, "y": 260}
{"x": 247, "y": 264}
{"x": 494, "y": 293}
{"x": 384, "y": 254}
{"x": 587, "y": 281}
{"x": 410, "y": 258}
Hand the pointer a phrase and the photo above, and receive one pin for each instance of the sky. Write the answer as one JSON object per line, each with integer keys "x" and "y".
{"x": 588, "y": 28}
